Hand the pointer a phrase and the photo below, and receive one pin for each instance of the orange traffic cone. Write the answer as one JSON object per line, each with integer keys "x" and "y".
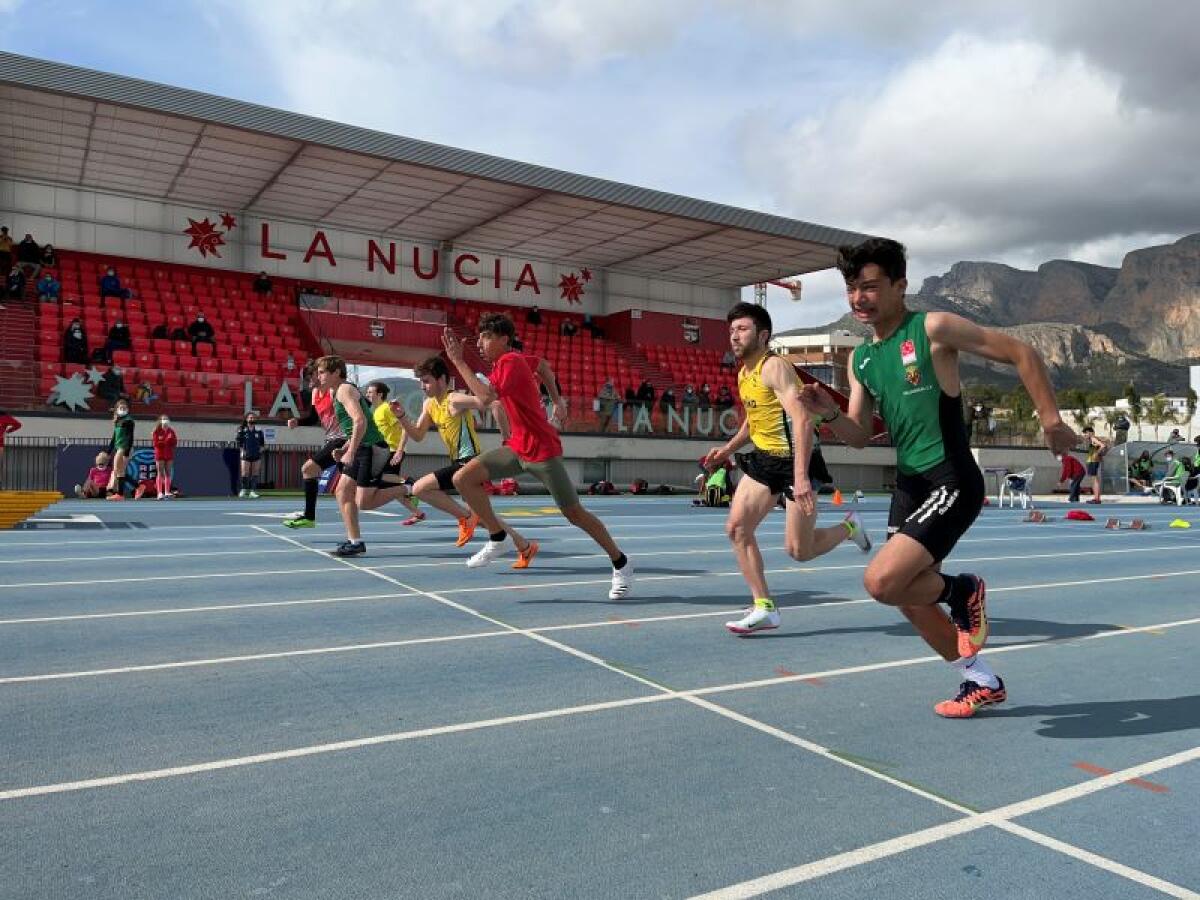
{"x": 837, "y": 497}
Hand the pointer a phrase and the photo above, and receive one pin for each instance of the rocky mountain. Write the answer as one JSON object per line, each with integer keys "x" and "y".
{"x": 1140, "y": 321}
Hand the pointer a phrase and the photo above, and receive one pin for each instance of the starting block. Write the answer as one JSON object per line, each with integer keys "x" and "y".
{"x": 1131, "y": 525}
{"x": 1036, "y": 516}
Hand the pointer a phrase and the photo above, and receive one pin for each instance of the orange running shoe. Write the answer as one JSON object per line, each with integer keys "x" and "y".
{"x": 525, "y": 557}
{"x": 973, "y": 624}
{"x": 971, "y": 697}
{"x": 466, "y": 529}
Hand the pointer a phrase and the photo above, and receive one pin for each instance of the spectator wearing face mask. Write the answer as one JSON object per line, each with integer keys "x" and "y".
{"x": 201, "y": 332}
{"x": 110, "y": 286}
{"x": 120, "y": 447}
{"x": 75, "y": 346}
{"x": 112, "y": 385}
{"x": 15, "y": 283}
{"x": 119, "y": 338}
{"x": 48, "y": 288}
{"x": 164, "y": 439}
{"x": 250, "y": 443}
{"x": 97, "y": 478}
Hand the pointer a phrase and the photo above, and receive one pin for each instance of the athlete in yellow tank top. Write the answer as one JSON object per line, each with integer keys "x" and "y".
{"x": 457, "y": 431}
{"x": 385, "y": 421}
{"x": 782, "y": 433}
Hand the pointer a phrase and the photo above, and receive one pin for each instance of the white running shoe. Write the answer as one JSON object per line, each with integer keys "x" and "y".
{"x": 243, "y": 494}
{"x": 757, "y": 618}
{"x": 490, "y": 551}
{"x": 622, "y": 581}
{"x": 251, "y": 495}
{"x": 858, "y": 532}
{"x": 79, "y": 490}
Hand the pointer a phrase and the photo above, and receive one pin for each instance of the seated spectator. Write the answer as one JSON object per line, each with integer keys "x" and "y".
{"x": 289, "y": 365}
{"x": 201, "y": 332}
{"x": 97, "y": 479}
{"x": 6, "y": 249}
{"x": 29, "y": 255}
{"x": 630, "y": 396}
{"x": 75, "y": 346}
{"x": 689, "y": 398}
{"x": 667, "y": 400}
{"x": 110, "y": 286}
{"x": 49, "y": 257}
{"x": 606, "y": 401}
{"x": 729, "y": 361}
{"x": 1141, "y": 472}
{"x": 591, "y": 326}
{"x": 48, "y": 288}
{"x": 534, "y": 316}
{"x": 119, "y": 338}
{"x": 645, "y": 394}
{"x": 705, "y": 396}
{"x": 724, "y": 398}
{"x": 15, "y": 285}
{"x": 262, "y": 284}
{"x": 568, "y": 328}
{"x": 1177, "y": 475}
{"x": 112, "y": 385}
{"x": 161, "y": 332}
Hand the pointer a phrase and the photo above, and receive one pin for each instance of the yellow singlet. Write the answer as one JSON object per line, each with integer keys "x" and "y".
{"x": 770, "y": 429}
{"x": 389, "y": 427}
{"x": 457, "y": 432}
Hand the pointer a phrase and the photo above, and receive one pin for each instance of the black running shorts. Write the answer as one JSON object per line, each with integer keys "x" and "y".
{"x": 776, "y": 472}
{"x": 368, "y": 465}
{"x": 936, "y": 507}
{"x": 324, "y": 456}
{"x": 445, "y": 475}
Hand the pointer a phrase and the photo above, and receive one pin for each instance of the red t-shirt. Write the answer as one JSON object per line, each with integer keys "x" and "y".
{"x": 164, "y": 440}
{"x": 533, "y": 439}
{"x": 7, "y": 424}
{"x": 1071, "y": 468}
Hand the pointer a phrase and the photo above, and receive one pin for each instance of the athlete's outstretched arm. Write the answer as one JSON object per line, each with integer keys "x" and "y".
{"x": 957, "y": 333}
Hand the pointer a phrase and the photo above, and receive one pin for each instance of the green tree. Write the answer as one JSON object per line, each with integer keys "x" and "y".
{"x": 1158, "y": 411}
{"x": 1076, "y": 401}
{"x": 1135, "y": 406}
{"x": 1020, "y": 412}
{"x": 1111, "y": 417}
{"x": 1101, "y": 397}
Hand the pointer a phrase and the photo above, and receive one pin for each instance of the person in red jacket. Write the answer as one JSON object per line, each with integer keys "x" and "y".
{"x": 7, "y": 424}
{"x": 1072, "y": 472}
{"x": 164, "y": 440}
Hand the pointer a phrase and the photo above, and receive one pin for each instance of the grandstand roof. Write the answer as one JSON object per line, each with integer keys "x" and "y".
{"x": 89, "y": 129}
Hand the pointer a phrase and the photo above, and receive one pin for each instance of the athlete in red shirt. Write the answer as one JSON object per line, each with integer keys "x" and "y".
{"x": 533, "y": 446}
{"x": 164, "y": 440}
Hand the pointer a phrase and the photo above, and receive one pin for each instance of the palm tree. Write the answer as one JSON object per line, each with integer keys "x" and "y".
{"x": 1134, "y": 399}
{"x": 1111, "y": 416}
{"x": 1080, "y": 406}
{"x": 1158, "y": 412}
{"x": 1020, "y": 411}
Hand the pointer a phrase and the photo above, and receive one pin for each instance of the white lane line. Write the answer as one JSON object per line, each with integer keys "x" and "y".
{"x": 317, "y": 749}
{"x": 145, "y": 578}
{"x": 182, "y": 610}
{"x": 157, "y": 558}
{"x": 250, "y": 657}
{"x": 997, "y": 817}
{"x": 61, "y": 539}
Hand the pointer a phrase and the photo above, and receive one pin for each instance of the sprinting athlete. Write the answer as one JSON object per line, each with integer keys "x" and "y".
{"x": 782, "y": 433}
{"x": 533, "y": 445}
{"x": 909, "y": 371}
{"x": 389, "y": 426}
{"x": 363, "y": 457}
{"x": 320, "y": 410}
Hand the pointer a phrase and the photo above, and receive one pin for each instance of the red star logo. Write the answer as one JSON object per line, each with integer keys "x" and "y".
{"x": 228, "y": 222}
{"x": 205, "y": 237}
{"x": 571, "y": 288}
{"x": 586, "y": 275}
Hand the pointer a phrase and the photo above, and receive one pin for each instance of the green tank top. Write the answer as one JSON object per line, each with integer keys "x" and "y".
{"x": 898, "y": 373}
{"x": 372, "y": 435}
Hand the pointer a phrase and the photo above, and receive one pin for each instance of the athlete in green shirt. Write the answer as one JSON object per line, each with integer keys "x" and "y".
{"x": 909, "y": 371}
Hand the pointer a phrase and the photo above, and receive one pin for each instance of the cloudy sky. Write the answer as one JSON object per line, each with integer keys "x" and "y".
{"x": 1013, "y": 131}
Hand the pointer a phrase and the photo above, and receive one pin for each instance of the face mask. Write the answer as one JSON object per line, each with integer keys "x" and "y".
{"x": 77, "y": 333}
{"x": 165, "y": 422}
{"x": 122, "y": 411}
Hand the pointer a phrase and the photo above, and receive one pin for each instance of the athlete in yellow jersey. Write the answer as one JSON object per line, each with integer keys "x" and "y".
{"x": 782, "y": 433}
{"x": 385, "y": 420}
{"x": 457, "y": 431}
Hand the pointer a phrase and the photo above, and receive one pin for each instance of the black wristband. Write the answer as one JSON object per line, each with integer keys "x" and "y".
{"x": 837, "y": 415}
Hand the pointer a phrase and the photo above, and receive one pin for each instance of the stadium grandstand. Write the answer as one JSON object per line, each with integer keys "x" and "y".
{"x": 372, "y": 244}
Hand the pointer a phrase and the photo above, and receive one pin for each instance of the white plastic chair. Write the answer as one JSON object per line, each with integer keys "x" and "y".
{"x": 1017, "y": 484}
{"x": 1170, "y": 488}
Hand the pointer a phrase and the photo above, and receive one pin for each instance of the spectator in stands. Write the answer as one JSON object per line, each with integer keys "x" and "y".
{"x": 110, "y": 286}
{"x": 262, "y": 284}
{"x": 705, "y": 396}
{"x": 1141, "y": 472}
{"x": 161, "y": 332}
{"x": 164, "y": 440}
{"x": 646, "y": 394}
{"x": 290, "y": 365}
{"x": 48, "y": 288}
{"x": 16, "y": 282}
{"x": 689, "y": 398}
{"x": 589, "y": 325}
{"x": 75, "y": 346}
{"x": 250, "y": 444}
{"x": 534, "y": 316}
{"x": 119, "y": 338}
{"x": 1072, "y": 474}
{"x": 630, "y": 396}
{"x": 667, "y": 400}
{"x": 49, "y": 257}
{"x": 97, "y": 479}
{"x": 724, "y": 398}
{"x": 568, "y": 328}
{"x": 112, "y": 385}
{"x": 6, "y": 249}
{"x": 201, "y": 332}
{"x": 29, "y": 255}
{"x": 729, "y": 361}
{"x": 606, "y": 401}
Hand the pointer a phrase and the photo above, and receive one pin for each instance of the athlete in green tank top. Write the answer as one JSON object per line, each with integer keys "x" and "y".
{"x": 371, "y": 435}
{"x": 909, "y": 371}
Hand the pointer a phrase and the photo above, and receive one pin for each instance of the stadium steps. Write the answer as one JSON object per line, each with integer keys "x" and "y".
{"x": 18, "y": 371}
{"x": 17, "y": 506}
